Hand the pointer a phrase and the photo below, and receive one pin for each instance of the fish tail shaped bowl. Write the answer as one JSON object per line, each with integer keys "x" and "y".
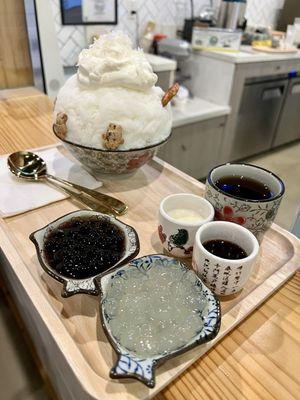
{"x": 129, "y": 363}
{"x": 90, "y": 284}
{"x": 115, "y": 162}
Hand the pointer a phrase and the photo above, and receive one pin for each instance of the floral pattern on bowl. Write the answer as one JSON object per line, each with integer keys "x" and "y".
{"x": 257, "y": 217}
{"x": 176, "y": 242}
{"x": 129, "y": 365}
{"x": 100, "y": 161}
{"x": 87, "y": 285}
{"x": 228, "y": 214}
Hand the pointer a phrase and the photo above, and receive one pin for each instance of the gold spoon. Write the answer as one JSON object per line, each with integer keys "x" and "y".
{"x": 27, "y": 165}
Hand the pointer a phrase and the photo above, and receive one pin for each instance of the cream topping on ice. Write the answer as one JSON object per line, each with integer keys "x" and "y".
{"x": 114, "y": 84}
{"x": 111, "y": 61}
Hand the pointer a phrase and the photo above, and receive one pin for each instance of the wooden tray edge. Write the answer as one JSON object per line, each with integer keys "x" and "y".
{"x": 228, "y": 323}
{"x": 282, "y": 275}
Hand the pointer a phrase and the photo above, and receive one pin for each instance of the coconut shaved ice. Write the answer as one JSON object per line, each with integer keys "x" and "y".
{"x": 114, "y": 86}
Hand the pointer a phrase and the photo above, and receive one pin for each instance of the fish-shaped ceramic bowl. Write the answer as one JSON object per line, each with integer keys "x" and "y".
{"x": 190, "y": 315}
{"x": 89, "y": 284}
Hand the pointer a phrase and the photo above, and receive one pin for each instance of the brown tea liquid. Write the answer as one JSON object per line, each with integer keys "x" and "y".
{"x": 224, "y": 249}
{"x": 244, "y": 188}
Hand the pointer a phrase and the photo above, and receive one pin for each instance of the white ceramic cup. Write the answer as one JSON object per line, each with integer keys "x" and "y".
{"x": 176, "y": 236}
{"x": 224, "y": 276}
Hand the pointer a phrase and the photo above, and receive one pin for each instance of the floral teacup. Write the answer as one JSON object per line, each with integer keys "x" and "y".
{"x": 255, "y": 215}
{"x": 177, "y": 232}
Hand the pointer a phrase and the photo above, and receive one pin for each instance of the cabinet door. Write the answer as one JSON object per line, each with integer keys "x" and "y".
{"x": 194, "y": 148}
{"x": 289, "y": 124}
{"x": 257, "y": 118}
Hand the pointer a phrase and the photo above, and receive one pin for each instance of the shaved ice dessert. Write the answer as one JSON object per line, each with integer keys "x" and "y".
{"x": 112, "y": 103}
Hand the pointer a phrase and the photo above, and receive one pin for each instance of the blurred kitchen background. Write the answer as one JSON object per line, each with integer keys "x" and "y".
{"x": 237, "y": 62}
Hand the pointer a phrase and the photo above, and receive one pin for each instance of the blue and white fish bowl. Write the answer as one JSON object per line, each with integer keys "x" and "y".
{"x": 124, "y": 308}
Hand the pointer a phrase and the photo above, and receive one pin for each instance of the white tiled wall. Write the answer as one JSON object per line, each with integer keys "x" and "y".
{"x": 263, "y": 12}
{"x": 71, "y": 39}
{"x": 166, "y": 13}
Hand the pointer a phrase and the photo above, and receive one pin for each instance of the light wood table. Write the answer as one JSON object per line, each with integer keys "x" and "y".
{"x": 15, "y": 60}
{"x": 260, "y": 359}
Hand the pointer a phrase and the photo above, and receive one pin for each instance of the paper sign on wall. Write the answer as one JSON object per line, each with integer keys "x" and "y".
{"x": 98, "y": 10}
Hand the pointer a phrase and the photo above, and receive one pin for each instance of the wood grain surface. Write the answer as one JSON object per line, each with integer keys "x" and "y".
{"x": 15, "y": 61}
{"x": 25, "y": 116}
{"x": 260, "y": 359}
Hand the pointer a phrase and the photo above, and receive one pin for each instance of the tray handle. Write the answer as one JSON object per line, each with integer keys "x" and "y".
{"x": 128, "y": 367}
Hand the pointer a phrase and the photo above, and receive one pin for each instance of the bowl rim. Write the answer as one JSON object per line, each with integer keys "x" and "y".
{"x": 177, "y": 222}
{"x": 113, "y": 151}
{"x": 214, "y": 186}
{"x": 160, "y": 360}
{"x": 230, "y": 226}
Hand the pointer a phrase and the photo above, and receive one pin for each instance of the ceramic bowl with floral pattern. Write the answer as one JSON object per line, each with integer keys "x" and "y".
{"x": 100, "y": 161}
{"x": 255, "y": 215}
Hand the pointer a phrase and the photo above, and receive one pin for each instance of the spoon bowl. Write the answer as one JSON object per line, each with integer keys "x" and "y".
{"x": 27, "y": 165}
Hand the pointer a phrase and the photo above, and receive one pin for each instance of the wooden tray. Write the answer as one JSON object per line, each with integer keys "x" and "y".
{"x": 268, "y": 49}
{"x": 67, "y": 332}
